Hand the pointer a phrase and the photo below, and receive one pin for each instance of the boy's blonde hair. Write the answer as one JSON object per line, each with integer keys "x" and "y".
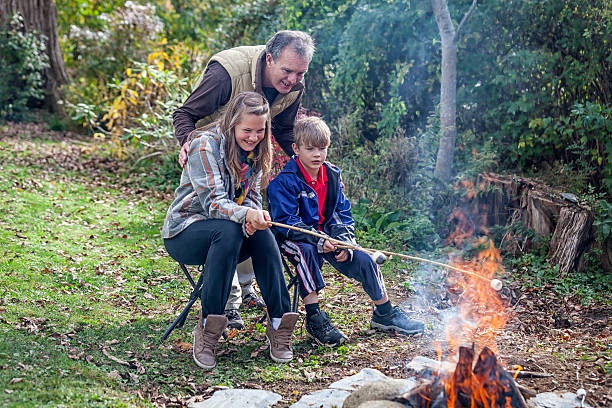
{"x": 311, "y": 131}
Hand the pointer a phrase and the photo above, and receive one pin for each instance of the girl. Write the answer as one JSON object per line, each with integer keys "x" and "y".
{"x": 217, "y": 220}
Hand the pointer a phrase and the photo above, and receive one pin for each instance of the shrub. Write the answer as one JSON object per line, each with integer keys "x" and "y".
{"x": 23, "y": 61}
{"x": 124, "y": 35}
{"x": 100, "y": 48}
{"x": 141, "y": 116}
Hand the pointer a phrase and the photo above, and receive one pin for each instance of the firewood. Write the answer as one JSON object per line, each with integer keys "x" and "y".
{"x": 526, "y": 391}
{"x": 532, "y": 374}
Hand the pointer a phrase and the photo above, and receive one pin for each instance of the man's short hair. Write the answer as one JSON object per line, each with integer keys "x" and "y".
{"x": 311, "y": 131}
{"x": 302, "y": 44}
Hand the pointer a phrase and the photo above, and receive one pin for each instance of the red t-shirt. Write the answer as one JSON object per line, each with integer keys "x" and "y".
{"x": 319, "y": 186}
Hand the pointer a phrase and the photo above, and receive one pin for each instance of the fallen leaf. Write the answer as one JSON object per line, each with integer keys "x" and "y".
{"x": 114, "y": 374}
{"x": 16, "y": 380}
{"x": 115, "y": 359}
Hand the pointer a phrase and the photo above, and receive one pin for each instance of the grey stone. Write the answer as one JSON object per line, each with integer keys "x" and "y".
{"x": 239, "y": 398}
{"x": 381, "y": 404}
{"x": 367, "y": 375}
{"x": 570, "y": 197}
{"x": 553, "y": 400}
{"x": 327, "y": 398}
{"x": 378, "y": 390}
{"x": 420, "y": 364}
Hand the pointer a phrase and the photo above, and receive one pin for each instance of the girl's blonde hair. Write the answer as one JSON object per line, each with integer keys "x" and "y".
{"x": 243, "y": 104}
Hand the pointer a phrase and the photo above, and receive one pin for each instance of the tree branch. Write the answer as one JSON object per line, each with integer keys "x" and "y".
{"x": 465, "y": 17}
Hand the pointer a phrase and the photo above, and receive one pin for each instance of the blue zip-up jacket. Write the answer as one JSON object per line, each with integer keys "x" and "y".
{"x": 293, "y": 202}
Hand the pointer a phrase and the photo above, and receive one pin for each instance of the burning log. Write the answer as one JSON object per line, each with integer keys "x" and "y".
{"x": 487, "y": 385}
{"x": 427, "y": 395}
{"x": 498, "y": 387}
{"x": 460, "y": 389}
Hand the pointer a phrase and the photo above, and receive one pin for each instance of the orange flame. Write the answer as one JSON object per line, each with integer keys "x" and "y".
{"x": 518, "y": 370}
{"x": 482, "y": 314}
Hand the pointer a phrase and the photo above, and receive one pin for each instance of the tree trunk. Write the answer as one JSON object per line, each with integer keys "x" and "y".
{"x": 41, "y": 16}
{"x": 448, "y": 87}
{"x": 508, "y": 200}
{"x": 570, "y": 239}
{"x": 448, "y": 91}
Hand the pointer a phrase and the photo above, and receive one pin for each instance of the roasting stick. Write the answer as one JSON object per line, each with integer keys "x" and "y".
{"x": 416, "y": 258}
{"x": 495, "y": 283}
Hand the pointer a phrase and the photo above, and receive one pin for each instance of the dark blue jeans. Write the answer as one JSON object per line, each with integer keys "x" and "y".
{"x": 219, "y": 245}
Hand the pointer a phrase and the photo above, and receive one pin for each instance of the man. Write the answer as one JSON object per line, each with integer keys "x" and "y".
{"x": 276, "y": 71}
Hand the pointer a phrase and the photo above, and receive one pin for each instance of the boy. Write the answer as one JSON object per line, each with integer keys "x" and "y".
{"x": 307, "y": 193}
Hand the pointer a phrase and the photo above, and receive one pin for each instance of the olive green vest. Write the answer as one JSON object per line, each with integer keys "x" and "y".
{"x": 241, "y": 65}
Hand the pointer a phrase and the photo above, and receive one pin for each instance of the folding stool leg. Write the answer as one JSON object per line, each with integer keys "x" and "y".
{"x": 195, "y": 295}
{"x": 292, "y": 282}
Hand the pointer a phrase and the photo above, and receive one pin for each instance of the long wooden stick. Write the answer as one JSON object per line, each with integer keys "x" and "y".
{"x": 347, "y": 245}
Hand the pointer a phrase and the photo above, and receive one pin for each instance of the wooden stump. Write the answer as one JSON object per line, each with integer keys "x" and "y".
{"x": 571, "y": 238}
{"x": 503, "y": 200}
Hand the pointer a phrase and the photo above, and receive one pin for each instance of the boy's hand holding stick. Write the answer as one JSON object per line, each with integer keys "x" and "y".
{"x": 380, "y": 256}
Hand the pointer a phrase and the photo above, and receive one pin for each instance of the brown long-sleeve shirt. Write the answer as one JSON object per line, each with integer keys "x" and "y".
{"x": 215, "y": 90}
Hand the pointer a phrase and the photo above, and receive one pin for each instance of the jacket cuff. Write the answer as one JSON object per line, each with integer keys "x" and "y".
{"x": 320, "y": 245}
{"x": 239, "y": 215}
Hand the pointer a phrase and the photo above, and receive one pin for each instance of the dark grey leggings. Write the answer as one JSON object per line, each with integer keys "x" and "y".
{"x": 220, "y": 246}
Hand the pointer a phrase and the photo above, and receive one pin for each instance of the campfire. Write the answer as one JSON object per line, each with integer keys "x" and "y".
{"x": 480, "y": 317}
{"x": 487, "y": 385}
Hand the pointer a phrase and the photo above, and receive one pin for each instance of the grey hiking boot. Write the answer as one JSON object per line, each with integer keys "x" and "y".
{"x": 320, "y": 328}
{"x": 280, "y": 339}
{"x": 205, "y": 340}
{"x": 234, "y": 321}
{"x": 252, "y": 299}
{"x": 396, "y": 320}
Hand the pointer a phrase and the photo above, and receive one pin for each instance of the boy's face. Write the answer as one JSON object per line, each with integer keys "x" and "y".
{"x": 311, "y": 157}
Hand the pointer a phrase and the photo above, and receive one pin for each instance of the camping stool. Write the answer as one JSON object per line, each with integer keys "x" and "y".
{"x": 293, "y": 281}
{"x": 193, "y": 297}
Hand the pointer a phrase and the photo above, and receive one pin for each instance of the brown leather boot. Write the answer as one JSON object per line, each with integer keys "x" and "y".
{"x": 280, "y": 339}
{"x": 205, "y": 340}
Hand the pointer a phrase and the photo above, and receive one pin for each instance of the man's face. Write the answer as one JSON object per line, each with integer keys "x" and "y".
{"x": 288, "y": 69}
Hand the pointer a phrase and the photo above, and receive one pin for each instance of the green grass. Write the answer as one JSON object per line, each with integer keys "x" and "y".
{"x": 84, "y": 276}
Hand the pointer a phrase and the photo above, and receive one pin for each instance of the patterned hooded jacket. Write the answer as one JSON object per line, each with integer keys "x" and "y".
{"x": 293, "y": 202}
{"x": 207, "y": 189}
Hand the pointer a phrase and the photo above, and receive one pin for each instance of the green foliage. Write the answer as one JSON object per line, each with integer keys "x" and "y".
{"x": 603, "y": 222}
{"x": 371, "y": 62}
{"x": 103, "y": 45}
{"x": 533, "y": 270}
{"x": 140, "y": 115}
{"x": 83, "y": 13}
{"x": 126, "y": 34}
{"x": 23, "y": 62}
{"x": 534, "y": 82}
{"x": 407, "y": 231}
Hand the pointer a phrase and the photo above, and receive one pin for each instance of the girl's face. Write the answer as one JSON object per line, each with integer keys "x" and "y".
{"x": 250, "y": 131}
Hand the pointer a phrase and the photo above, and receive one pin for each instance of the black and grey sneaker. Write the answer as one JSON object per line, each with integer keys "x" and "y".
{"x": 253, "y": 300}
{"x": 320, "y": 328}
{"x": 396, "y": 320}
{"x": 234, "y": 321}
